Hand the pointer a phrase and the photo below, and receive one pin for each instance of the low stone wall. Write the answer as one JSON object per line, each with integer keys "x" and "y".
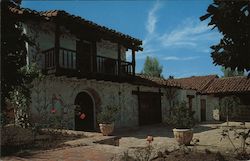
{"x": 12, "y": 135}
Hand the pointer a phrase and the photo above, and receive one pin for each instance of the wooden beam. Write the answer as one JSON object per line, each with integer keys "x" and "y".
{"x": 139, "y": 105}
{"x": 149, "y": 93}
{"x": 190, "y": 96}
{"x": 133, "y": 61}
{"x": 119, "y": 59}
{"x": 161, "y": 94}
{"x": 94, "y": 58}
{"x": 57, "y": 44}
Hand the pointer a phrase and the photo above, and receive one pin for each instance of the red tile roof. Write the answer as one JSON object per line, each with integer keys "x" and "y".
{"x": 49, "y": 15}
{"x": 228, "y": 85}
{"x": 157, "y": 80}
{"x": 198, "y": 83}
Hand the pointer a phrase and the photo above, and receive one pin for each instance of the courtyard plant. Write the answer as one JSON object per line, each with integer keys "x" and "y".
{"x": 106, "y": 118}
{"x": 235, "y": 134}
{"x": 182, "y": 119}
{"x": 229, "y": 107}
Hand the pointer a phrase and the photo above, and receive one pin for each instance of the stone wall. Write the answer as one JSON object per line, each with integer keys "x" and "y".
{"x": 13, "y": 135}
{"x": 211, "y": 103}
{"x": 60, "y": 92}
{"x": 182, "y": 96}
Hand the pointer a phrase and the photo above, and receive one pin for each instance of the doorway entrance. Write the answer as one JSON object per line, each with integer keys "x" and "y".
{"x": 149, "y": 108}
{"x": 203, "y": 110}
{"x": 84, "y": 112}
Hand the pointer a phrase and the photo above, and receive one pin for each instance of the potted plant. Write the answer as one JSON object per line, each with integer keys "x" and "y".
{"x": 106, "y": 119}
{"x": 183, "y": 121}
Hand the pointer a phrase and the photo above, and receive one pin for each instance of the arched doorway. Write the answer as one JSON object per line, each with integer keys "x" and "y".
{"x": 84, "y": 112}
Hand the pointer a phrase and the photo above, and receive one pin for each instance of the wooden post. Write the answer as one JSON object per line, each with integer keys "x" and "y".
{"x": 160, "y": 95}
{"x": 139, "y": 105}
{"x": 57, "y": 45}
{"x": 119, "y": 59}
{"x": 94, "y": 59}
{"x": 133, "y": 61}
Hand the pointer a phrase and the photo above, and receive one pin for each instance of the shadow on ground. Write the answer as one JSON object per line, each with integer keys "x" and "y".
{"x": 47, "y": 143}
{"x": 157, "y": 130}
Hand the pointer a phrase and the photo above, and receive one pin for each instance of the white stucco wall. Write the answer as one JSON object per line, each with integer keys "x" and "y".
{"x": 66, "y": 90}
{"x": 106, "y": 48}
{"x": 67, "y": 40}
{"x": 182, "y": 96}
{"x": 212, "y": 104}
{"x": 43, "y": 37}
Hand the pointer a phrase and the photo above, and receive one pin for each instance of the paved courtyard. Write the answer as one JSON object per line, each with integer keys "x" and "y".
{"x": 84, "y": 149}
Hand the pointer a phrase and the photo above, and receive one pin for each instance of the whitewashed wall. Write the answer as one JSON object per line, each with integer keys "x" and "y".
{"x": 212, "y": 104}
{"x": 67, "y": 40}
{"x": 108, "y": 49}
{"x": 43, "y": 35}
{"x": 66, "y": 90}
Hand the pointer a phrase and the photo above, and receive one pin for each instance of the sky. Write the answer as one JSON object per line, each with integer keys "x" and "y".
{"x": 170, "y": 30}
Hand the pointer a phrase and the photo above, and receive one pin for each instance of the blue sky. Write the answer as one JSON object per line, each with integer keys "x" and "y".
{"x": 170, "y": 30}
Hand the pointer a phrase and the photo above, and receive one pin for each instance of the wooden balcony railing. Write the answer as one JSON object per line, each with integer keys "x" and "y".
{"x": 49, "y": 59}
{"x": 126, "y": 68}
{"x": 106, "y": 65}
{"x": 110, "y": 66}
{"x": 67, "y": 60}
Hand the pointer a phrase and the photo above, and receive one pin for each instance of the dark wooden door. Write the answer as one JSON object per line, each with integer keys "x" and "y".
{"x": 203, "y": 110}
{"x": 84, "y": 52}
{"x": 84, "y": 112}
{"x": 149, "y": 108}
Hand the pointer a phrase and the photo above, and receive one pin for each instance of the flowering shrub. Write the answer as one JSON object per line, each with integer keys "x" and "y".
{"x": 108, "y": 114}
{"x": 53, "y": 110}
{"x": 82, "y": 116}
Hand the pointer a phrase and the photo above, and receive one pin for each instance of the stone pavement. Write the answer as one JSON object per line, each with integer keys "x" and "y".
{"x": 83, "y": 149}
{"x": 83, "y": 153}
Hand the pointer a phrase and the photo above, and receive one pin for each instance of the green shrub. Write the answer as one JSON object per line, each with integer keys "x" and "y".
{"x": 182, "y": 117}
{"x": 108, "y": 114}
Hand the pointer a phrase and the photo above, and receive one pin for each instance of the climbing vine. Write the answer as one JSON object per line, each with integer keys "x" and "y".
{"x": 17, "y": 76}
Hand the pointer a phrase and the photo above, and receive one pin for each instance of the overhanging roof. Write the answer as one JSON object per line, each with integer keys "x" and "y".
{"x": 57, "y": 15}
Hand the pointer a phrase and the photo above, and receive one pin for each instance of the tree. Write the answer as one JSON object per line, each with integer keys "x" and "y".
{"x": 229, "y": 107}
{"x": 152, "y": 67}
{"x": 228, "y": 72}
{"x": 16, "y": 76}
{"x": 232, "y": 19}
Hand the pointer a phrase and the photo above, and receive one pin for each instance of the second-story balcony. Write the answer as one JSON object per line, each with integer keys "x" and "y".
{"x": 68, "y": 61}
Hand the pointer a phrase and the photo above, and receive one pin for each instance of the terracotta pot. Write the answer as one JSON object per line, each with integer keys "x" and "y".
{"x": 106, "y": 129}
{"x": 183, "y": 136}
